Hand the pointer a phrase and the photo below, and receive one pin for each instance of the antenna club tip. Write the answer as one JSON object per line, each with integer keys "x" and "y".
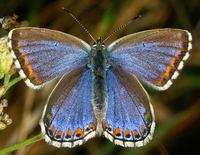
{"x": 63, "y": 8}
{"x": 134, "y": 18}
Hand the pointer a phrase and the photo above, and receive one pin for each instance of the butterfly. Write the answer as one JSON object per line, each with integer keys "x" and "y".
{"x": 99, "y": 92}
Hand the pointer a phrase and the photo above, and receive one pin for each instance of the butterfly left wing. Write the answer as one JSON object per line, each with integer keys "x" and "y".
{"x": 42, "y": 55}
{"x": 68, "y": 119}
{"x": 154, "y": 56}
{"x": 129, "y": 120}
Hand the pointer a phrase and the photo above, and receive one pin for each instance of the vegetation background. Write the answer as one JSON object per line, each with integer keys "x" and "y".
{"x": 177, "y": 109}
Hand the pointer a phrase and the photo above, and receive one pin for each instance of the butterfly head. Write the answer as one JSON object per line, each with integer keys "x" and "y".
{"x": 98, "y": 45}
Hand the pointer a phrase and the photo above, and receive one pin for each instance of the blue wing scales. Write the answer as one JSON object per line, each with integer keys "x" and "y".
{"x": 68, "y": 119}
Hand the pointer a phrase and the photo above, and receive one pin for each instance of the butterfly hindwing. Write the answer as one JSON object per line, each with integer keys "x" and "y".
{"x": 42, "y": 54}
{"x": 154, "y": 56}
{"x": 129, "y": 119}
{"x": 68, "y": 119}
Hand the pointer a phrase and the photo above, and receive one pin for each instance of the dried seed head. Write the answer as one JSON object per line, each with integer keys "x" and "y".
{"x": 9, "y": 22}
{"x": 5, "y": 120}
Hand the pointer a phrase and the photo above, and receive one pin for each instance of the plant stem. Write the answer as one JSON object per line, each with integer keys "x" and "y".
{"x": 6, "y": 79}
{"x": 21, "y": 144}
{"x": 13, "y": 82}
{"x": 9, "y": 84}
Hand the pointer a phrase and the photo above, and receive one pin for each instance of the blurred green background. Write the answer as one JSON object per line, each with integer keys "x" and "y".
{"x": 177, "y": 110}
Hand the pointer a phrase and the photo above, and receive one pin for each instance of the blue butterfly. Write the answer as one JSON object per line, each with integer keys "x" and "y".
{"x": 99, "y": 92}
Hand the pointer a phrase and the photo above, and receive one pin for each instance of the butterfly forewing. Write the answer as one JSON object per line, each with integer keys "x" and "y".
{"x": 154, "y": 56}
{"x": 68, "y": 119}
{"x": 42, "y": 54}
{"x": 129, "y": 119}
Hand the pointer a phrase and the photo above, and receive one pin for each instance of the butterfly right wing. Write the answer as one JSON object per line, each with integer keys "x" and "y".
{"x": 68, "y": 119}
{"x": 129, "y": 120}
{"x": 155, "y": 56}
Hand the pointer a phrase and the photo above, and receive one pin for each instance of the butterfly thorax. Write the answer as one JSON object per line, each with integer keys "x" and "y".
{"x": 98, "y": 65}
{"x": 98, "y": 59}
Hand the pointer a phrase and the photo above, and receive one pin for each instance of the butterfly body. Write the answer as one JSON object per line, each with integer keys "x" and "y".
{"x": 99, "y": 92}
{"x": 98, "y": 64}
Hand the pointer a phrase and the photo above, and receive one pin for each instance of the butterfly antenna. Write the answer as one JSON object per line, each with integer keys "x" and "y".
{"x": 72, "y": 15}
{"x": 121, "y": 27}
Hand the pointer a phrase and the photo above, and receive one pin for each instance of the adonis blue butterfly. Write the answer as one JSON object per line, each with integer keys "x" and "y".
{"x": 99, "y": 92}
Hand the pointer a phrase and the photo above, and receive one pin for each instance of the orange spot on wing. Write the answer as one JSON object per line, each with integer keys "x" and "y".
{"x": 91, "y": 126}
{"x": 169, "y": 68}
{"x": 143, "y": 129}
{"x": 136, "y": 133}
{"x": 27, "y": 66}
{"x": 32, "y": 75}
{"x": 127, "y": 133}
{"x": 51, "y": 130}
{"x": 59, "y": 134}
{"x": 117, "y": 132}
{"x": 107, "y": 127}
{"x": 78, "y": 132}
{"x": 49, "y": 117}
{"x": 69, "y": 132}
{"x": 30, "y": 71}
{"x": 24, "y": 61}
{"x": 23, "y": 57}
